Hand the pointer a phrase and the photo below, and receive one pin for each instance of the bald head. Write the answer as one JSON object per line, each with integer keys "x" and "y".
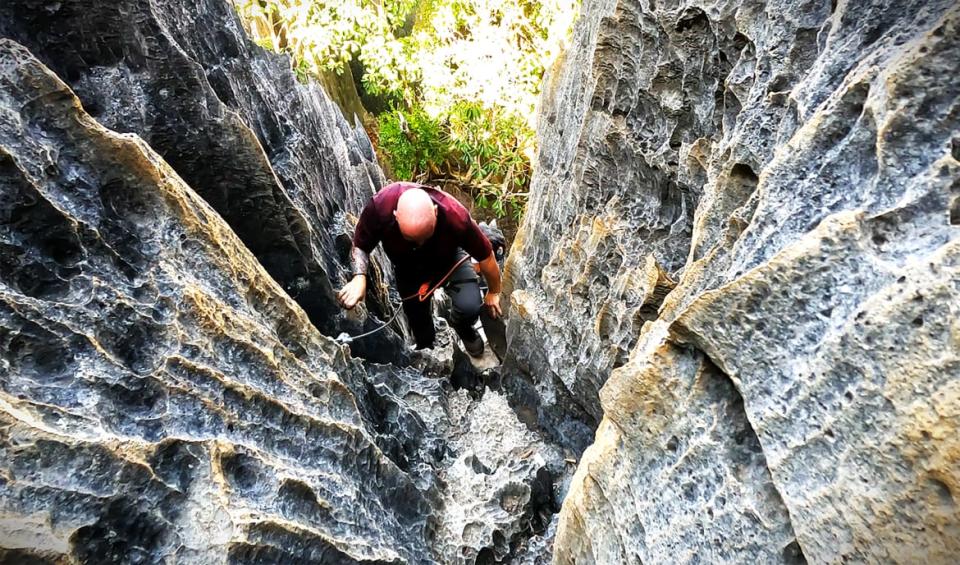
{"x": 416, "y": 215}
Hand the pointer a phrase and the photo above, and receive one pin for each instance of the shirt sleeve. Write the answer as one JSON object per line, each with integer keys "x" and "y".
{"x": 368, "y": 232}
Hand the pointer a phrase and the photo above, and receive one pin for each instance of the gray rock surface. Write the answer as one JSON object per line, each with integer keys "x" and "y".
{"x": 162, "y": 398}
{"x": 275, "y": 158}
{"x": 738, "y": 280}
{"x": 609, "y": 217}
{"x": 793, "y": 166}
{"x": 497, "y": 459}
{"x": 676, "y": 473}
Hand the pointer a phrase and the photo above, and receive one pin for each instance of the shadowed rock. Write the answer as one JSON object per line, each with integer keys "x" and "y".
{"x": 161, "y": 397}
{"x": 274, "y": 158}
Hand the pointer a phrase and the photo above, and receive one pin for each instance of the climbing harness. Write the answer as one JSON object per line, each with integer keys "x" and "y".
{"x": 422, "y": 295}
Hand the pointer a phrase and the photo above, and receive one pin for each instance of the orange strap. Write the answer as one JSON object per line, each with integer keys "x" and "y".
{"x": 426, "y": 292}
{"x": 423, "y": 294}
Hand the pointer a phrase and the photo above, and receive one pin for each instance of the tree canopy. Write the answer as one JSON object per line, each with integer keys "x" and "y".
{"x": 462, "y": 78}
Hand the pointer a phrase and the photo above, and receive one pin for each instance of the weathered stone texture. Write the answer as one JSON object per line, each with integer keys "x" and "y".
{"x": 793, "y": 166}
{"x": 162, "y": 397}
{"x": 275, "y": 158}
{"x": 612, "y": 203}
{"x": 693, "y": 486}
{"x": 738, "y": 277}
{"x": 859, "y": 425}
{"x": 516, "y": 471}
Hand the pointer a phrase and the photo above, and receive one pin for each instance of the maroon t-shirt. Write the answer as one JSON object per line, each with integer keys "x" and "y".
{"x": 455, "y": 229}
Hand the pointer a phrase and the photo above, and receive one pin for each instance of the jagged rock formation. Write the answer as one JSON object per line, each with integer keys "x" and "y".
{"x": 737, "y": 279}
{"x": 275, "y": 158}
{"x": 793, "y": 166}
{"x": 162, "y": 397}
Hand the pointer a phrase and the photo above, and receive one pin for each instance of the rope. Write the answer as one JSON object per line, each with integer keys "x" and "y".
{"x": 423, "y": 294}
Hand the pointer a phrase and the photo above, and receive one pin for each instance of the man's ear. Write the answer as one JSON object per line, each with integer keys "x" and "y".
{"x": 394, "y": 213}
{"x": 434, "y": 209}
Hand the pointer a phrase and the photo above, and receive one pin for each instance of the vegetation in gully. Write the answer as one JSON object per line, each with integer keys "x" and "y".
{"x": 458, "y": 80}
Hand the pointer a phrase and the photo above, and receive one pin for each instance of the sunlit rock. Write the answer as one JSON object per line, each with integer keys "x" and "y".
{"x": 676, "y": 470}
{"x": 793, "y": 166}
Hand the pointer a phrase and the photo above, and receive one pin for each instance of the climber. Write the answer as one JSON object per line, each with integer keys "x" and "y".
{"x": 426, "y": 233}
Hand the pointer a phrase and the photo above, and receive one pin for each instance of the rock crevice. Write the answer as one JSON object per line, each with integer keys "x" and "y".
{"x": 163, "y": 396}
{"x": 733, "y": 301}
{"x": 274, "y": 158}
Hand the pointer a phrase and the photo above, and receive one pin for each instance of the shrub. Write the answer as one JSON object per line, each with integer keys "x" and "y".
{"x": 414, "y": 143}
{"x": 467, "y": 75}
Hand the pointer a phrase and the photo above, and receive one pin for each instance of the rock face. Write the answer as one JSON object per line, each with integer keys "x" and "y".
{"x": 163, "y": 398}
{"x": 275, "y": 158}
{"x": 793, "y": 167}
{"x": 738, "y": 279}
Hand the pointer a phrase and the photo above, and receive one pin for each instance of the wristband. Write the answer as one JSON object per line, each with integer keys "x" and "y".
{"x": 359, "y": 275}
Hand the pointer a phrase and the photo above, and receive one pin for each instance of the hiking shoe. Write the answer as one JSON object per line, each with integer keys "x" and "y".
{"x": 473, "y": 346}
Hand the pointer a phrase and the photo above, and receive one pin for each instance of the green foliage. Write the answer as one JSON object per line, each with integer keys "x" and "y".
{"x": 472, "y": 145}
{"x": 467, "y": 74}
{"x": 490, "y": 143}
{"x": 413, "y": 141}
{"x": 322, "y": 35}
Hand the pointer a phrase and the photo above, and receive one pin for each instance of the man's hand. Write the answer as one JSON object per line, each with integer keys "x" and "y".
{"x": 353, "y": 292}
{"x": 492, "y": 302}
{"x": 491, "y": 272}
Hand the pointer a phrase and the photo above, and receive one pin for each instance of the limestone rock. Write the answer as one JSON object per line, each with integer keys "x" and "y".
{"x": 859, "y": 427}
{"x": 793, "y": 166}
{"x": 499, "y": 460}
{"x": 738, "y": 277}
{"x": 565, "y": 338}
{"x": 676, "y": 471}
{"x": 275, "y": 158}
{"x": 162, "y": 398}
{"x": 606, "y": 211}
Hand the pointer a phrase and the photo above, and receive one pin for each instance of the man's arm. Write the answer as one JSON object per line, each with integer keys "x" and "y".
{"x": 354, "y": 291}
{"x": 477, "y": 244}
{"x": 359, "y": 260}
{"x": 365, "y": 236}
{"x": 491, "y": 272}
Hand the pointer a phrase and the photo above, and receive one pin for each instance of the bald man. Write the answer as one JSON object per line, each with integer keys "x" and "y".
{"x": 424, "y": 232}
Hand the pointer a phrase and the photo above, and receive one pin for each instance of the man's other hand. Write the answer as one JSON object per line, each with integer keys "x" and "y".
{"x": 492, "y": 302}
{"x": 353, "y": 292}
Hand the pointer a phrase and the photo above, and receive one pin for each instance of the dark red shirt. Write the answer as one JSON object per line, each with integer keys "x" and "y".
{"x": 455, "y": 229}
